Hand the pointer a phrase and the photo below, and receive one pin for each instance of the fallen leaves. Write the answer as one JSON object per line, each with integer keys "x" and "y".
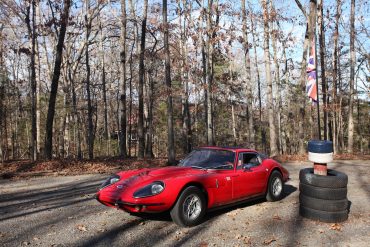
{"x": 178, "y": 235}
{"x": 82, "y": 228}
{"x": 269, "y": 241}
{"x": 65, "y": 167}
{"x": 203, "y": 244}
{"x": 336, "y": 227}
{"x": 276, "y": 217}
{"x": 246, "y": 239}
{"x": 232, "y": 213}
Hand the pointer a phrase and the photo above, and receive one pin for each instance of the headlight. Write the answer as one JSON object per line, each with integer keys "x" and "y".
{"x": 111, "y": 180}
{"x": 150, "y": 190}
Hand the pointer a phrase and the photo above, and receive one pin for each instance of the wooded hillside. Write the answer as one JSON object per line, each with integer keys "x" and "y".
{"x": 93, "y": 78}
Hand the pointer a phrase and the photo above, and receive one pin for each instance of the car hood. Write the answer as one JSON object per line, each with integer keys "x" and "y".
{"x": 144, "y": 176}
{"x": 172, "y": 171}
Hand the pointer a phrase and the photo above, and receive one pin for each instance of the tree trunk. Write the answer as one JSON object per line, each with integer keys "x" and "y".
{"x": 55, "y": 80}
{"x": 149, "y": 141}
{"x": 140, "y": 124}
{"x": 185, "y": 72}
{"x": 262, "y": 127}
{"x": 130, "y": 104}
{"x": 247, "y": 62}
{"x": 123, "y": 127}
{"x": 31, "y": 26}
{"x": 266, "y": 45}
{"x": 38, "y": 88}
{"x": 170, "y": 127}
{"x": 303, "y": 77}
{"x": 90, "y": 125}
{"x": 209, "y": 77}
{"x": 2, "y": 96}
{"x": 323, "y": 69}
{"x": 274, "y": 35}
{"x": 233, "y": 123}
{"x": 351, "y": 79}
{"x": 204, "y": 82}
{"x": 335, "y": 78}
{"x": 284, "y": 117}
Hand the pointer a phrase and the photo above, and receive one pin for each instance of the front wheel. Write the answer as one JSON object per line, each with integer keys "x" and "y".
{"x": 275, "y": 187}
{"x": 189, "y": 208}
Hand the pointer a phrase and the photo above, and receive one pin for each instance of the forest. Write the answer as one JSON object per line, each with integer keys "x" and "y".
{"x": 82, "y": 79}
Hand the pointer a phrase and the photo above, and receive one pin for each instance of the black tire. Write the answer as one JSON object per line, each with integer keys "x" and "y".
{"x": 320, "y": 147}
{"x": 178, "y": 213}
{"x": 334, "y": 179}
{"x": 323, "y": 193}
{"x": 324, "y": 216}
{"x": 275, "y": 187}
{"x": 323, "y": 205}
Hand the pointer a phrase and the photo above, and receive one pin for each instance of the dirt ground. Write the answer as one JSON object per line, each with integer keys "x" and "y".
{"x": 61, "y": 211}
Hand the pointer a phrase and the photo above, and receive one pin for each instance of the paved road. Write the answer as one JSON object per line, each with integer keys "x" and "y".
{"x": 61, "y": 211}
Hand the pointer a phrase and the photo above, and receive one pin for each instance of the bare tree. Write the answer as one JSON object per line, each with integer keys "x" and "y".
{"x": 140, "y": 124}
{"x": 278, "y": 109}
{"x": 351, "y": 78}
{"x": 31, "y": 26}
{"x": 335, "y": 77}
{"x": 320, "y": 19}
{"x": 247, "y": 62}
{"x": 266, "y": 45}
{"x": 254, "y": 41}
{"x": 55, "y": 79}
{"x": 90, "y": 125}
{"x": 123, "y": 126}
{"x": 187, "y": 131}
{"x": 170, "y": 131}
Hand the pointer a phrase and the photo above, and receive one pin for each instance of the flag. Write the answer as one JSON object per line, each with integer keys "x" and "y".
{"x": 311, "y": 87}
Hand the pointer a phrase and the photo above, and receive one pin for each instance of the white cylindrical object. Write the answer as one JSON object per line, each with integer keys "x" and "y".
{"x": 320, "y": 158}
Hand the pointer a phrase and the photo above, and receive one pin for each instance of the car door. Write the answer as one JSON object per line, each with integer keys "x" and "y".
{"x": 222, "y": 186}
{"x": 250, "y": 176}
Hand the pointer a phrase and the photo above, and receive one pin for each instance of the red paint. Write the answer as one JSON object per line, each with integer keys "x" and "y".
{"x": 320, "y": 169}
{"x": 222, "y": 187}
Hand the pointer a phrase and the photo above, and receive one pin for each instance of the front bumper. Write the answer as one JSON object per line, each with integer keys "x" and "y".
{"x": 132, "y": 207}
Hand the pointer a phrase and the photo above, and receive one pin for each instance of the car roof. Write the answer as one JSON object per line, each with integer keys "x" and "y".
{"x": 234, "y": 149}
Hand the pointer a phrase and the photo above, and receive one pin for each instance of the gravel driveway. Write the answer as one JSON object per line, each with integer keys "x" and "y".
{"x": 61, "y": 211}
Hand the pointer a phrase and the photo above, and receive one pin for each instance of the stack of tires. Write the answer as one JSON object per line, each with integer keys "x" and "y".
{"x": 323, "y": 198}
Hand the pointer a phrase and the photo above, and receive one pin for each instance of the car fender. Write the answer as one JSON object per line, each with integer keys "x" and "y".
{"x": 206, "y": 182}
{"x": 272, "y": 165}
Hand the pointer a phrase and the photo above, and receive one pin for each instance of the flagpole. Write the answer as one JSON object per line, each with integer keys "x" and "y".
{"x": 317, "y": 83}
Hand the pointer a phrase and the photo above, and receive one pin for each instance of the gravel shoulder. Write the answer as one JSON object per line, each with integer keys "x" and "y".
{"x": 61, "y": 211}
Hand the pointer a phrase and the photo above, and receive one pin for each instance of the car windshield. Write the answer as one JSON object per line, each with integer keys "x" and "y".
{"x": 209, "y": 159}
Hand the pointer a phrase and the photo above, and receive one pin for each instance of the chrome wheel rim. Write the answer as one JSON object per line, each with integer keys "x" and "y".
{"x": 277, "y": 187}
{"x": 192, "y": 207}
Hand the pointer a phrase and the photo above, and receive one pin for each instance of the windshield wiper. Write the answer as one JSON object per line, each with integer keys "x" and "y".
{"x": 199, "y": 167}
{"x": 220, "y": 166}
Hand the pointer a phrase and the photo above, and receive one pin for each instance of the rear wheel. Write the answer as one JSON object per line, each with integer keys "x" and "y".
{"x": 275, "y": 187}
{"x": 189, "y": 208}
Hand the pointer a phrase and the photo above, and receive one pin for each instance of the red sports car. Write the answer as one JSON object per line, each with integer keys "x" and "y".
{"x": 208, "y": 178}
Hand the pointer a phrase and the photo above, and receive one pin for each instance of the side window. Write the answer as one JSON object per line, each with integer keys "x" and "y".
{"x": 248, "y": 160}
